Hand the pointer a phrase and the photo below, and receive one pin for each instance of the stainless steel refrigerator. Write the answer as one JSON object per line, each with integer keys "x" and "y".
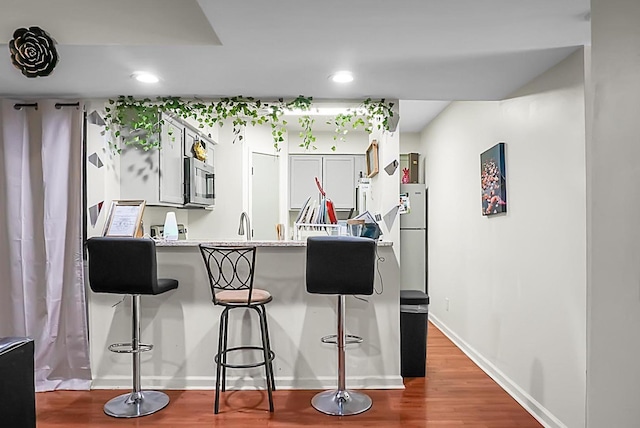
{"x": 413, "y": 239}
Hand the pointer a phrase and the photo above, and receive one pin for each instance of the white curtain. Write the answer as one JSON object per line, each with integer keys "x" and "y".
{"x": 42, "y": 293}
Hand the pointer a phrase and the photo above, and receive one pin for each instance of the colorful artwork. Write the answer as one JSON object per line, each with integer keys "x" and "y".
{"x": 493, "y": 180}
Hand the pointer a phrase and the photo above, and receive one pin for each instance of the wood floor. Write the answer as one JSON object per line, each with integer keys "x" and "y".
{"x": 455, "y": 393}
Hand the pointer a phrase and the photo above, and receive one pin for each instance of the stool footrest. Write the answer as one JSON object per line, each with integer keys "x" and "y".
{"x": 247, "y": 365}
{"x": 349, "y": 339}
{"x": 127, "y": 348}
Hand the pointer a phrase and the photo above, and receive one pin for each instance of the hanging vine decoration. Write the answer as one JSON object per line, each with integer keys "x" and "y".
{"x": 134, "y": 121}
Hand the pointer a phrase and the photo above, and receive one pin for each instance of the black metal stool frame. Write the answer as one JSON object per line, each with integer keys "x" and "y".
{"x": 222, "y": 264}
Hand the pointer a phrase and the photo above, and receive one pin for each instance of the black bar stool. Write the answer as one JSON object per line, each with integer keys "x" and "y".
{"x": 122, "y": 265}
{"x": 231, "y": 271}
{"x": 340, "y": 265}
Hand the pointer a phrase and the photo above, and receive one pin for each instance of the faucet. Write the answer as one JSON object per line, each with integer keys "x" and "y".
{"x": 244, "y": 217}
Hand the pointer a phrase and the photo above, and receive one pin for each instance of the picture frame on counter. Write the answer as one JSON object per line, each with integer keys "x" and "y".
{"x": 372, "y": 158}
{"x": 125, "y": 218}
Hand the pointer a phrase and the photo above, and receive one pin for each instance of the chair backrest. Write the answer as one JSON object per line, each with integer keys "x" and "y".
{"x": 340, "y": 265}
{"x": 122, "y": 265}
{"x": 229, "y": 268}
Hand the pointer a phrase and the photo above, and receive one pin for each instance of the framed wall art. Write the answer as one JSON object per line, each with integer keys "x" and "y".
{"x": 493, "y": 180}
{"x": 372, "y": 158}
{"x": 125, "y": 218}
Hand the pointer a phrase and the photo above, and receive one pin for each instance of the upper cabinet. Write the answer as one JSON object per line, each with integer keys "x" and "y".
{"x": 157, "y": 175}
{"x": 171, "y": 171}
{"x": 302, "y": 172}
{"x": 338, "y": 175}
{"x": 190, "y": 138}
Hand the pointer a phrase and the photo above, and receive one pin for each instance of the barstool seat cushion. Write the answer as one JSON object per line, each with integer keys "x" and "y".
{"x": 258, "y": 296}
{"x": 166, "y": 284}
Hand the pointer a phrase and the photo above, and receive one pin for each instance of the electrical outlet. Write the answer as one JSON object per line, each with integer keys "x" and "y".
{"x": 446, "y": 304}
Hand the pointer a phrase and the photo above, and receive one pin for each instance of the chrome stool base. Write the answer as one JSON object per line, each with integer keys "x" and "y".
{"x": 341, "y": 402}
{"x": 136, "y": 404}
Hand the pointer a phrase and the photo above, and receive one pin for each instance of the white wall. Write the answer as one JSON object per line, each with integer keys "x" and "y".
{"x": 356, "y": 143}
{"x": 516, "y": 283}
{"x": 231, "y": 180}
{"x": 613, "y": 382}
{"x": 384, "y": 191}
{"x": 103, "y": 182}
{"x": 410, "y": 142}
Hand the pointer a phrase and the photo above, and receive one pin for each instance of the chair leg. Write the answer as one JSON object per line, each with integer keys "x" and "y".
{"x": 136, "y": 403}
{"x": 341, "y": 402}
{"x": 224, "y": 351}
{"x": 267, "y": 355}
{"x": 266, "y": 326}
{"x": 216, "y": 406}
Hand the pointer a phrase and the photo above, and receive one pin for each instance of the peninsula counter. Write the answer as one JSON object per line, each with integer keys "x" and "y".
{"x": 183, "y": 326}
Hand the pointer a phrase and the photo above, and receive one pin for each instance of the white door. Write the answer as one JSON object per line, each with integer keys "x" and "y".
{"x": 265, "y": 194}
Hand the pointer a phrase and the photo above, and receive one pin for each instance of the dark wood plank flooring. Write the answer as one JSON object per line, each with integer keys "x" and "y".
{"x": 455, "y": 393}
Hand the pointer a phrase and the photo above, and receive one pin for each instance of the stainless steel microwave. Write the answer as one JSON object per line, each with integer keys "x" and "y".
{"x": 199, "y": 183}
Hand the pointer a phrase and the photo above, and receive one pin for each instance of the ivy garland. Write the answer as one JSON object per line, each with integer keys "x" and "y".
{"x": 135, "y": 121}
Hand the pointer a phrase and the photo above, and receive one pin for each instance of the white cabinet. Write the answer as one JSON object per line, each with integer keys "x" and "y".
{"x": 155, "y": 175}
{"x": 302, "y": 173}
{"x": 190, "y": 137}
{"x": 338, "y": 175}
{"x": 338, "y": 181}
{"x": 171, "y": 170}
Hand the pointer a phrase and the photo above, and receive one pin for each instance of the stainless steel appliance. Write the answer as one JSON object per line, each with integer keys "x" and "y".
{"x": 413, "y": 239}
{"x": 199, "y": 183}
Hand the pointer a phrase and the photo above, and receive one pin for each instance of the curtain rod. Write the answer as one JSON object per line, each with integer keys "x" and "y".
{"x": 21, "y": 106}
{"x": 35, "y": 105}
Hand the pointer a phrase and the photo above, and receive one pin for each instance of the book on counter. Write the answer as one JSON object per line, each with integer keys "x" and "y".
{"x": 313, "y": 212}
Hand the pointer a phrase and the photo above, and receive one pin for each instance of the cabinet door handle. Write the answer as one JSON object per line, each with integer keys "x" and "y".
{"x": 212, "y": 177}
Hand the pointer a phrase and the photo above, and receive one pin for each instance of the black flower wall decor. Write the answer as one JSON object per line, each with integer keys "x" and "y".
{"x": 33, "y": 52}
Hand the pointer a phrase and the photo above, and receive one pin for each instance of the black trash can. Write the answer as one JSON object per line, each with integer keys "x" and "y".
{"x": 414, "y": 310}
{"x": 17, "y": 386}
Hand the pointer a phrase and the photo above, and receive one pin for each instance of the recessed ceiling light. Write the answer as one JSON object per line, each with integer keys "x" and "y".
{"x": 342, "y": 76}
{"x": 143, "y": 76}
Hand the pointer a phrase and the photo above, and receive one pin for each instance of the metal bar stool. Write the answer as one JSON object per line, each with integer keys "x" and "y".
{"x": 122, "y": 265}
{"x": 341, "y": 265}
{"x": 231, "y": 271}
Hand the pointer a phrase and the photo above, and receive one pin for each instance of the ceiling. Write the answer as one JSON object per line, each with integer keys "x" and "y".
{"x": 423, "y": 52}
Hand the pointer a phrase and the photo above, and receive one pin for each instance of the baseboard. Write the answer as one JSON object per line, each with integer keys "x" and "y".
{"x": 249, "y": 383}
{"x": 538, "y": 411}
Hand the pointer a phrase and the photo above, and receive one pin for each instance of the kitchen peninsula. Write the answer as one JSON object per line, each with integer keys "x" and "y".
{"x": 183, "y": 326}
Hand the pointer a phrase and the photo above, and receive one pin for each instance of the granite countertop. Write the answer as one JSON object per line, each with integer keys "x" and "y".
{"x": 230, "y": 243}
